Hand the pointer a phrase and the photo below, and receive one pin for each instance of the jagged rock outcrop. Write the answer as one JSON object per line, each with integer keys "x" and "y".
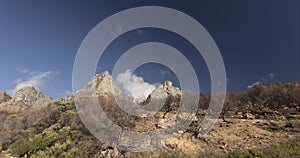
{"x": 4, "y": 97}
{"x": 165, "y": 90}
{"x": 27, "y": 97}
{"x": 101, "y": 85}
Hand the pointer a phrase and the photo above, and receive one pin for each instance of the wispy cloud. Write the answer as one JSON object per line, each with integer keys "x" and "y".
{"x": 134, "y": 86}
{"x": 31, "y": 78}
{"x": 163, "y": 73}
{"x": 253, "y": 84}
{"x": 263, "y": 80}
{"x": 24, "y": 71}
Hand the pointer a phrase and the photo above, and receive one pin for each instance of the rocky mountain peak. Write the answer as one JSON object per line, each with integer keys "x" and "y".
{"x": 101, "y": 84}
{"x": 168, "y": 84}
{"x": 4, "y": 97}
{"x": 164, "y": 90}
{"x": 30, "y": 95}
{"x": 26, "y": 97}
{"x": 25, "y": 91}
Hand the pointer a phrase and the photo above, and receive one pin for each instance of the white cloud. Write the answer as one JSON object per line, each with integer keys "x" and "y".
{"x": 134, "y": 86}
{"x": 32, "y": 78}
{"x": 264, "y": 80}
{"x": 254, "y": 84}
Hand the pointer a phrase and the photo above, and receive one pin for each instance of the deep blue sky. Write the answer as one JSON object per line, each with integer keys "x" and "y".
{"x": 259, "y": 40}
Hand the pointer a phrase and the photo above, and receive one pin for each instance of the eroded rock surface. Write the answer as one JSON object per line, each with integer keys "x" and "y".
{"x": 25, "y": 98}
{"x": 100, "y": 85}
{"x": 4, "y": 97}
{"x": 165, "y": 90}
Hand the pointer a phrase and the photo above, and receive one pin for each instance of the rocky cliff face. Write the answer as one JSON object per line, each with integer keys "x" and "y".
{"x": 165, "y": 90}
{"x": 4, "y": 97}
{"x": 27, "y": 97}
{"x": 101, "y": 85}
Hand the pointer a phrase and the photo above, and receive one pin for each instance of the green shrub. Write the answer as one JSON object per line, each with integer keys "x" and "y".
{"x": 252, "y": 153}
{"x": 70, "y": 154}
{"x": 40, "y": 141}
{"x": 54, "y": 151}
{"x": 291, "y": 149}
{"x": 68, "y": 104}
{"x": 58, "y": 148}
{"x": 71, "y": 112}
{"x": 40, "y": 154}
{"x": 20, "y": 147}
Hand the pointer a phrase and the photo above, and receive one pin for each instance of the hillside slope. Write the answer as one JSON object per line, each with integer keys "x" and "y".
{"x": 253, "y": 122}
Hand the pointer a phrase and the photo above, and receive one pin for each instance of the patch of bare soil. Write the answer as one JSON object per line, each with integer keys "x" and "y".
{"x": 238, "y": 134}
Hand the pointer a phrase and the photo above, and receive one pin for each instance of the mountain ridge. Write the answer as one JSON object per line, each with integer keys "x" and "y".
{"x": 257, "y": 118}
{"x": 25, "y": 98}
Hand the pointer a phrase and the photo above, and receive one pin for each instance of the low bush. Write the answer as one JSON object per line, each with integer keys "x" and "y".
{"x": 252, "y": 153}
{"x": 40, "y": 141}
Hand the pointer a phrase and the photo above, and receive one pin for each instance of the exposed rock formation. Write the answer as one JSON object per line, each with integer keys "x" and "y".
{"x": 4, "y": 97}
{"x": 165, "y": 90}
{"x": 27, "y": 97}
{"x": 101, "y": 84}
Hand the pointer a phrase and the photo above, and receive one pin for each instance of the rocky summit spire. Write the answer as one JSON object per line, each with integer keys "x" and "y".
{"x": 27, "y": 97}
{"x": 101, "y": 84}
{"x": 165, "y": 90}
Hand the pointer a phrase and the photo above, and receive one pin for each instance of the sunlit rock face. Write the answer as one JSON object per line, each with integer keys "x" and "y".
{"x": 100, "y": 85}
{"x": 165, "y": 90}
{"x": 27, "y": 97}
{"x": 104, "y": 85}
